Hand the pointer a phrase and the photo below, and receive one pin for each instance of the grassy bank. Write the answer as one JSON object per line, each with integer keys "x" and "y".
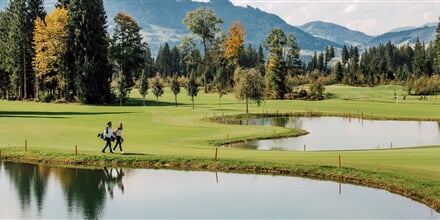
{"x": 180, "y": 137}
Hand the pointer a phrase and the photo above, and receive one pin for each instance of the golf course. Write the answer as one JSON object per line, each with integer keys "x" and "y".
{"x": 163, "y": 135}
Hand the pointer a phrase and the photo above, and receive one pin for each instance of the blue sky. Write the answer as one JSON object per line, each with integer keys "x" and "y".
{"x": 373, "y": 17}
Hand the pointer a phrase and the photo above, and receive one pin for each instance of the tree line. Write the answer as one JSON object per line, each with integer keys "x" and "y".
{"x": 69, "y": 55}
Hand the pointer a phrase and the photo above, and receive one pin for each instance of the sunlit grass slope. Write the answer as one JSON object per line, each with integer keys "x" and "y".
{"x": 168, "y": 133}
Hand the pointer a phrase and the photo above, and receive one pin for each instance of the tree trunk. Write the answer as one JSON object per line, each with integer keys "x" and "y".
{"x": 247, "y": 106}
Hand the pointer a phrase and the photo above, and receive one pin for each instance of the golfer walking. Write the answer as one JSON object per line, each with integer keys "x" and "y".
{"x": 108, "y": 134}
{"x": 119, "y": 139}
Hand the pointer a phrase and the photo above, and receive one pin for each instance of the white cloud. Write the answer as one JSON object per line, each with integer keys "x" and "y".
{"x": 350, "y": 8}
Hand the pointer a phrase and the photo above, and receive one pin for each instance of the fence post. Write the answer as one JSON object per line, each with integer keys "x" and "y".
{"x": 216, "y": 151}
{"x": 76, "y": 149}
{"x": 25, "y": 145}
{"x": 339, "y": 160}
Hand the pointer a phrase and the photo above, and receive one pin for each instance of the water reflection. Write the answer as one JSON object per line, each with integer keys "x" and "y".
{"x": 336, "y": 133}
{"x": 37, "y": 191}
{"x": 84, "y": 190}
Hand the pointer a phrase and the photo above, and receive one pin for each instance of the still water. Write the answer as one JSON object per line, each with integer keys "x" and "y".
{"x": 337, "y": 133}
{"x": 42, "y": 192}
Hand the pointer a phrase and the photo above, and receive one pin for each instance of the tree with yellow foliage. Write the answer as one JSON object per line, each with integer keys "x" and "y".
{"x": 235, "y": 42}
{"x": 50, "y": 45}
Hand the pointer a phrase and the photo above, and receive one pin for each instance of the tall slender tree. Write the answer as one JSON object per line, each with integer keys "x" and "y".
{"x": 50, "y": 43}
{"x": 157, "y": 87}
{"x": 4, "y": 68}
{"x": 88, "y": 51}
{"x": 436, "y": 65}
{"x": 276, "y": 75}
{"x": 175, "y": 87}
{"x": 127, "y": 54}
{"x": 204, "y": 23}
{"x": 235, "y": 42}
{"x": 21, "y": 16}
{"x": 192, "y": 88}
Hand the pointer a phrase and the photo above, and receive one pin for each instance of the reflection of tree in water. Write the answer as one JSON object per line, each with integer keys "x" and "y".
{"x": 279, "y": 121}
{"x": 84, "y": 190}
{"x": 29, "y": 180}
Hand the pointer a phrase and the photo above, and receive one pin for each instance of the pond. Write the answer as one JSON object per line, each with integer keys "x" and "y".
{"x": 337, "y": 133}
{"x": 42, "y": 192}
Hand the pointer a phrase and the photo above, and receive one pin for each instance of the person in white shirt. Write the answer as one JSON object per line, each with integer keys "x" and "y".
{"x": 119, "y": 139}
{"x": 108, "y": 134}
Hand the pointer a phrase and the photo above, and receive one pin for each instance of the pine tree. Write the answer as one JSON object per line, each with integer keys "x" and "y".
{"x": 276, "y": 76}
{"x": 436, "y": 65}
{"x": 293, "y": 61}
{"x": 345, "y": 55}
{"x": 4, "y": 73}
{"x": 21, "y": 16}
{"x": 88, "y": 51}
{"x": 163, "y": 60}
{"x": 419, "y": 58}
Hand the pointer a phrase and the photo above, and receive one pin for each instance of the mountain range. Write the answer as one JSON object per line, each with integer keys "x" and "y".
{"x": 161, "y": 21}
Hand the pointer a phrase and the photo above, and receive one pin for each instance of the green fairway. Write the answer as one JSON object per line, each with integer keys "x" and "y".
{"x": 169, "y": 136}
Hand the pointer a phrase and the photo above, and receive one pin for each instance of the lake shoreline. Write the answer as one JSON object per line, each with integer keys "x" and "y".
{"x": 332, "y": 173}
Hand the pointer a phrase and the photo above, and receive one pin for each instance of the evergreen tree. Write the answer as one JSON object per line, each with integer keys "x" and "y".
{"x": 419, "y": 58}
{"x": 88, "y": 51}
{"x": 345, "y": 55}
{"x": 329, "y": 54}
{"x": 163, "y": 60}
{"x": 276, "y": 76}
{"x": 260, "y": 66}
{"x": 436, "y": 61}
{"x": 4, "y": 68}
{"x": 21, "y": 16}
{"x": 338, "y": 71}
{"x": 293, "y": 61}
{"x": 176, "y": 61}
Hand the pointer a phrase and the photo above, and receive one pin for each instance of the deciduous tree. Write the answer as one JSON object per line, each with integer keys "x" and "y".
{"x": 175, "y": 87}
{"x": 127, "y": 54}
{"x": 234, "y": 44}
{"x": 249, "y": 85}
{"x": 203, "y": 23}
{"x": 157, "y": 87}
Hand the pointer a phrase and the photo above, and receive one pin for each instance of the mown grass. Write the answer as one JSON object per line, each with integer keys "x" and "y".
{"x": 180, "y": 137}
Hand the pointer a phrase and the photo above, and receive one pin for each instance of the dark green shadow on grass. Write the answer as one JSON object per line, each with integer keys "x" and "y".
{"x": 55, "y": 115}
